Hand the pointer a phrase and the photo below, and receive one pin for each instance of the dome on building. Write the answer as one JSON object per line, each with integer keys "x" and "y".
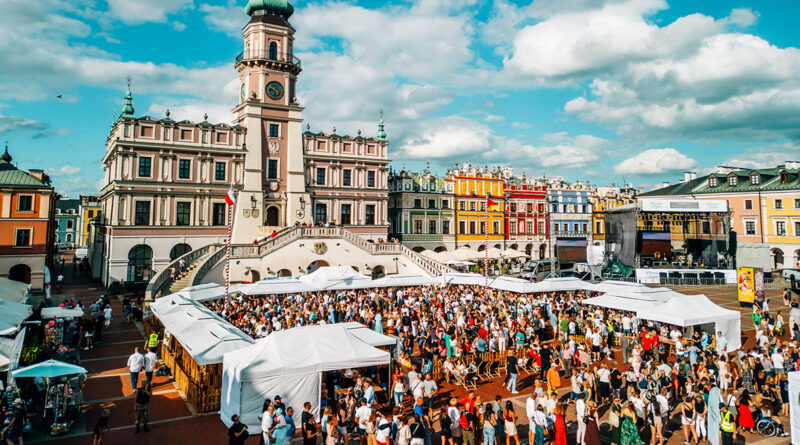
{"x": 280, "y": 8}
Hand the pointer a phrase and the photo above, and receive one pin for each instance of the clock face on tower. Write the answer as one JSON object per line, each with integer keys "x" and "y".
{"x": 275, "y": 90}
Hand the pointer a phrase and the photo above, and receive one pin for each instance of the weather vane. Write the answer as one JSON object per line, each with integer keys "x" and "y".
{"x": 129, "y": 81}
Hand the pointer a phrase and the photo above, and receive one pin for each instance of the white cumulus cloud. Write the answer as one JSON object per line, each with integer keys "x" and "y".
{"x": 655, "y": 161}
{"x": 142, "y": 11}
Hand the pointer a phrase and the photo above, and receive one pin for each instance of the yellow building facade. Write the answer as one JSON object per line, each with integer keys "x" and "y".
{"x": 89, "y": 210}
{"x": 472, "y": 192}
{"x": 782, "y": 225}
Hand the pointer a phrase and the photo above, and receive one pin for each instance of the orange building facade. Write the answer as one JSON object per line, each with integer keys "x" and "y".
{"x": 27, "y": 205}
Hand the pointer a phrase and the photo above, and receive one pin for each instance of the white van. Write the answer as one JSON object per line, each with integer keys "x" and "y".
{"x": 81, "y": 253}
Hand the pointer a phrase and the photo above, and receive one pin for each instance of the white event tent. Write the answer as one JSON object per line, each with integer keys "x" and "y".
{"x": 694, "y": 310}
{"x": 331, "y": 278}
{"x": 60, "y": 312}
{"x": 289, "y": 363}
{"x": 12, "y": 315}
{"x": 667, "y": 306}
{"x": 564, "y": 284}
{"x": 469, "y": 279}
{"x": 205, "y": 292}
{"x": 367, "y": 335}
{"x": 204, "y": 335}
{"x": 14, "y": 291}
{"x": 511, "y": 284}
{"x": 10, "y": 350}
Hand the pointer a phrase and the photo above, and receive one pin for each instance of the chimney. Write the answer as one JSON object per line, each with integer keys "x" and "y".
{"x": 37, "y": 174}
{"x": 664, "y": 184}
{"x": 687, "y": 176}
{"x": 694, "y": 175}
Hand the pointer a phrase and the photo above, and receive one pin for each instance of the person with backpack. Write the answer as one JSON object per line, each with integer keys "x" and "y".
{"x": 454, "y": 415}
{"x": 467, "y": 424}
{"x": 417, "y": 431}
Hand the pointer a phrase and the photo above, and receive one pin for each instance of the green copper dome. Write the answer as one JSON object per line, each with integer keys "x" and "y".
{"x": 127, "y": 109}
{"x": 381, "y": 132}
{"x": 280, "y": 8}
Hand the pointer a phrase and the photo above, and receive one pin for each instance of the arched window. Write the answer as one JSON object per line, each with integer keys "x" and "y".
{"x": 69, "y": 237}
{"x": 273, "y": 51}
{"x": 178, "y": 250}
{"x": 140, "y": 263}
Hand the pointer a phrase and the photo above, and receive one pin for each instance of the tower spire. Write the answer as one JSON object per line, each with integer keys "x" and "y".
{"x": 381, "y": 132}
{"x": 6, "y": 157}
{"x": 127, "y": 109}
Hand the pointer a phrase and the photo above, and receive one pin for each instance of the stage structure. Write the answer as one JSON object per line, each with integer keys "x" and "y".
{"x": 670, "y": 233}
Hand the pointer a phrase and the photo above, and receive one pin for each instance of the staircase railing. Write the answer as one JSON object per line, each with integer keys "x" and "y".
{"x": 207, "y": 265}
{"x": 163, "y": 279}
{"x": 433, "y": 267}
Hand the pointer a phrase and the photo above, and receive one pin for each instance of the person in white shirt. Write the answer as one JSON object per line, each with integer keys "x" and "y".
{"x": 722, "y": 344}
{"x": 663, "y": 403}
{"x": 580, "y": 412}
{"x": 362, "y": 415}
{"x": 107, "y": 315}
{"x": 382, "y": 430}
{"x": 540, "y": 421}
{"x": 454, "y": 413}
{"x": 150, "y": 362}
{"x": 135, "y": 365}
{"x": 267, "y": 423}
{"x": 675, "y": 334}
{"x": 626, "y": 324}
{"x": 778, "y": 361}
{"x": 530, "y": 412}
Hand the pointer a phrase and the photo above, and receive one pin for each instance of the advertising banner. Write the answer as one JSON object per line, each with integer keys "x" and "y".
{"x": 746, "y": 284}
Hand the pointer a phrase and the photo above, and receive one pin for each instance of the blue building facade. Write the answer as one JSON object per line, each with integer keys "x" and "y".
{"x": 67, "y": 219}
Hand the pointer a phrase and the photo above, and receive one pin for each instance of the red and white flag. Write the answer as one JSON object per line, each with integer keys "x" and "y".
{"x": 490, "y": 203}
{"x": 230, "y": 198}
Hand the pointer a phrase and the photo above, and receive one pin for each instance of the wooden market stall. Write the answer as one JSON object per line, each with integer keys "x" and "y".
{"x": 192, "y": 341}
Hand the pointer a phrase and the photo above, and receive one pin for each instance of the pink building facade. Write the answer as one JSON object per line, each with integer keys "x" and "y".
{"x": 164, "y": 191}
{"x": 347, "y": 178}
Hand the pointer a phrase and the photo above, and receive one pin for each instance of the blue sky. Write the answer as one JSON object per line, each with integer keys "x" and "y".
{"x": 596, "y": 90}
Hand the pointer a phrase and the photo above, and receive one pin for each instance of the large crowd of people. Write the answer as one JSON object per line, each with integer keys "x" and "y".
{"x": 646, "y": 376}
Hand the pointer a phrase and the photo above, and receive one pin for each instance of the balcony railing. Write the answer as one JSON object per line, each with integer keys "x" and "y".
{"x": 267, "y": 55}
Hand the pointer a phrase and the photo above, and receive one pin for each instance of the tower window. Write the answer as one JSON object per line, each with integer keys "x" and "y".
{"x": 273, "y": 51}
{"x": 273, "y": 130}
{"x": 272, "y": 169}
{"x": 370, "y": 179}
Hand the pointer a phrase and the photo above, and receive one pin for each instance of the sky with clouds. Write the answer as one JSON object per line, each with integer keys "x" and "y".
{"x": 598, "y": 90}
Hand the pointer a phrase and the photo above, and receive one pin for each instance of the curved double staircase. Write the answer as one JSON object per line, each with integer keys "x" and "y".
{"x": 199, "y": 262}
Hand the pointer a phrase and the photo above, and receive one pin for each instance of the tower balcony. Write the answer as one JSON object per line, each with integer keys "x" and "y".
{"x": 274, "y": 60}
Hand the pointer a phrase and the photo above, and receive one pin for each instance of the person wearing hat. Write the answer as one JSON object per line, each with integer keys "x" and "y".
{"x": 727, "y": 425}
{"x": 14, "y": 428}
